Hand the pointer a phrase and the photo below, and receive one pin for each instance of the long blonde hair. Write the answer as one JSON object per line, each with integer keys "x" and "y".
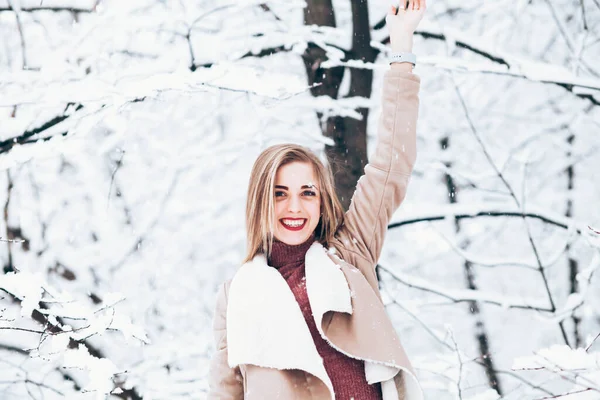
{"x": 260, "y": 205}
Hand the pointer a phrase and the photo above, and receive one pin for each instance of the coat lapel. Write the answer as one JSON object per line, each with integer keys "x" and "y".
{"x": 326, "y": 284}
{"x": 265, "y": 326}
{"x": 364, "y": 331}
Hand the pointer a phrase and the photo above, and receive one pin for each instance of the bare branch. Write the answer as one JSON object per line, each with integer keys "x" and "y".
{"x": 15, "y": 328}
{"x": 566, "y": 394}
{"x": 464, "y": 295}
{"x": 29, "y": 381}
{"x": 188, "y": 34}
{"x": 461, "y": 363}
{"x": 583, "y": 17}
{"x": 517, "y": 202}
{"x": 561, "y": 28}
{"x": 17, "y": 9}
{"x": 592, "y": 342}
{"x": 512, "y": 374}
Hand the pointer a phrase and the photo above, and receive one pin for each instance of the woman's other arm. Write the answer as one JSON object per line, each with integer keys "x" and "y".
{"x": 225, "y": 383}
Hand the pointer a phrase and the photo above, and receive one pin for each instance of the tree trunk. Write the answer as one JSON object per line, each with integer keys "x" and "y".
{"x": 348, "y": 154}
{"x": 480, "y": 330}
{"x": 573, "y": 264}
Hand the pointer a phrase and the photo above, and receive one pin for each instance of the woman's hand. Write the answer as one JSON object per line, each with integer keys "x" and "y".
{"x": 402, "y": 23}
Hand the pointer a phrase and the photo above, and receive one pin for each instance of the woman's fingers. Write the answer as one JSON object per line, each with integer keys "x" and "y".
{"x": 406, "y": 8}
{"x": 408, "y": 5}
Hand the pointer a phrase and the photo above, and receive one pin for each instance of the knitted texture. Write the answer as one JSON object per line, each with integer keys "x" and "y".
{"x": 347, "y": 374}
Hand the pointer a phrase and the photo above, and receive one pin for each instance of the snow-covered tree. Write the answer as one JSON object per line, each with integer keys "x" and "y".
{"x": 127, "y": 134}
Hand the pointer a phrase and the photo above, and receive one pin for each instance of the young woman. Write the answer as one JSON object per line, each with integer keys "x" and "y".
{"x": 303, "y": 318}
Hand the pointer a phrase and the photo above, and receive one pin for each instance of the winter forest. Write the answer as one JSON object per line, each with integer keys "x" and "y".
{"x": 127, "y": 134}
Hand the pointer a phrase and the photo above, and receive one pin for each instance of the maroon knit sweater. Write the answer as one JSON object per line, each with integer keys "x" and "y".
{"x": 347, "y": 374}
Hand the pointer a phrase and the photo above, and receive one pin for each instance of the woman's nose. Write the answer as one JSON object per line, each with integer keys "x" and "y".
{"x": 294, "y": 204}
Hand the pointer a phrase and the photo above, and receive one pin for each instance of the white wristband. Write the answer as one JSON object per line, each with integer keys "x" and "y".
{"x": 403, "y": 57}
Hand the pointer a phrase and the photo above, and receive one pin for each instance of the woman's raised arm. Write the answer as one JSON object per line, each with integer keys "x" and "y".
{"x": 382, "y": 188}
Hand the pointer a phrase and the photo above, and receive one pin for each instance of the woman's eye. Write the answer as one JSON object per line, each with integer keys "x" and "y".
{"x": 279, "y": 194}
{"x": 309, "y": 193}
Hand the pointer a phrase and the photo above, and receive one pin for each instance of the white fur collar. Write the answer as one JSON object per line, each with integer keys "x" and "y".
{"x": 262, "y": 311}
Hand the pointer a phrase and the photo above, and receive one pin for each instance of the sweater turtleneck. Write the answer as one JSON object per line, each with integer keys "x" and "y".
{"x": 289, "y": 256}
{"x": 347, "y": 374}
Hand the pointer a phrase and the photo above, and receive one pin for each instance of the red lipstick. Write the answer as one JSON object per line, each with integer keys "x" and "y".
{"x": 293, "y": 228}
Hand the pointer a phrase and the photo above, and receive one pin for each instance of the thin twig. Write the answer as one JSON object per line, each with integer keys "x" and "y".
{"x": 112, "y": 177}
{"x": 561, "y": 28}
{"x": 188, "y": 34}
{"x": 585, "y": 25}
{"x": 17, "y": 9}
{"x": 14, "y": 328}
{"x": 39, "y": 384}
{"x": 419, "y": 321}
{"x": 592, "y": 342}
{"x": 565, "y": 394}
{"x": 460, "y": 369}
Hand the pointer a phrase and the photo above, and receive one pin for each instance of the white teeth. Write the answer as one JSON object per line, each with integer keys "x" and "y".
{"x": 293, "y": 224}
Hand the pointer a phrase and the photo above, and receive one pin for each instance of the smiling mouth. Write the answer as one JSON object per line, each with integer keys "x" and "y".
{"x": 293, "y": 224}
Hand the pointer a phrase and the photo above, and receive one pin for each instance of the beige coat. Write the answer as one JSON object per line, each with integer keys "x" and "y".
{"x": 264, "y": 348}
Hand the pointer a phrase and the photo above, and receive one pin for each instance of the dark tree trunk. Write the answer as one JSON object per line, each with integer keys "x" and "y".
{"x": 8, "y": 267}
{"x": 481, "y": 335}
{"x": 348, "y": 154}
{"x": 573, "y": 264}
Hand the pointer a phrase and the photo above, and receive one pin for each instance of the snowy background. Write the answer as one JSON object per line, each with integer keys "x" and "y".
{"x": 127, "y": 134}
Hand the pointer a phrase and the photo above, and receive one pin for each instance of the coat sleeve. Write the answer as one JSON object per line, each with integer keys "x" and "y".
{"x": 382, "y": 188}
{"x": 225, "y": 383}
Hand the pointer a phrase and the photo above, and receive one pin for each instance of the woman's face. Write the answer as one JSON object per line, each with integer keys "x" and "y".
{"x": 297, "y": 202}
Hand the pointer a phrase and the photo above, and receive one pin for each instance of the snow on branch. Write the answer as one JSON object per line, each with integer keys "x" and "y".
{"x": 51, "y": 5}
{"x": 578, "y": 367}
{"x": 503, "y": 62}
{"x": 30, "y": 87}
{"x": 481, "y": 210}
{"x": 526, "y": 69}
{"x": 60, "y": 343}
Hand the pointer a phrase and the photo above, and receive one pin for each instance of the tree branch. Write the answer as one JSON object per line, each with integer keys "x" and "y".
{"x": 6, "y": 145}
{"x": 42, "y": 7}
{"x": 558, "y": 221}
{"x": 447, "y": 346}
{"x": 519, "y": 204}
{"x": 511, "y": 63}
{"x": 464, "y": 295}
{"x": 17, "y": 9}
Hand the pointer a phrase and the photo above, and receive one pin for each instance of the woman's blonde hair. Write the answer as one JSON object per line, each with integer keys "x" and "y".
{"x": 260, "y": 205}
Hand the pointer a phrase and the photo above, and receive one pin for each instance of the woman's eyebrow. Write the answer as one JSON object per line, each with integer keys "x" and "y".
{"x": 311, "y": 186}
